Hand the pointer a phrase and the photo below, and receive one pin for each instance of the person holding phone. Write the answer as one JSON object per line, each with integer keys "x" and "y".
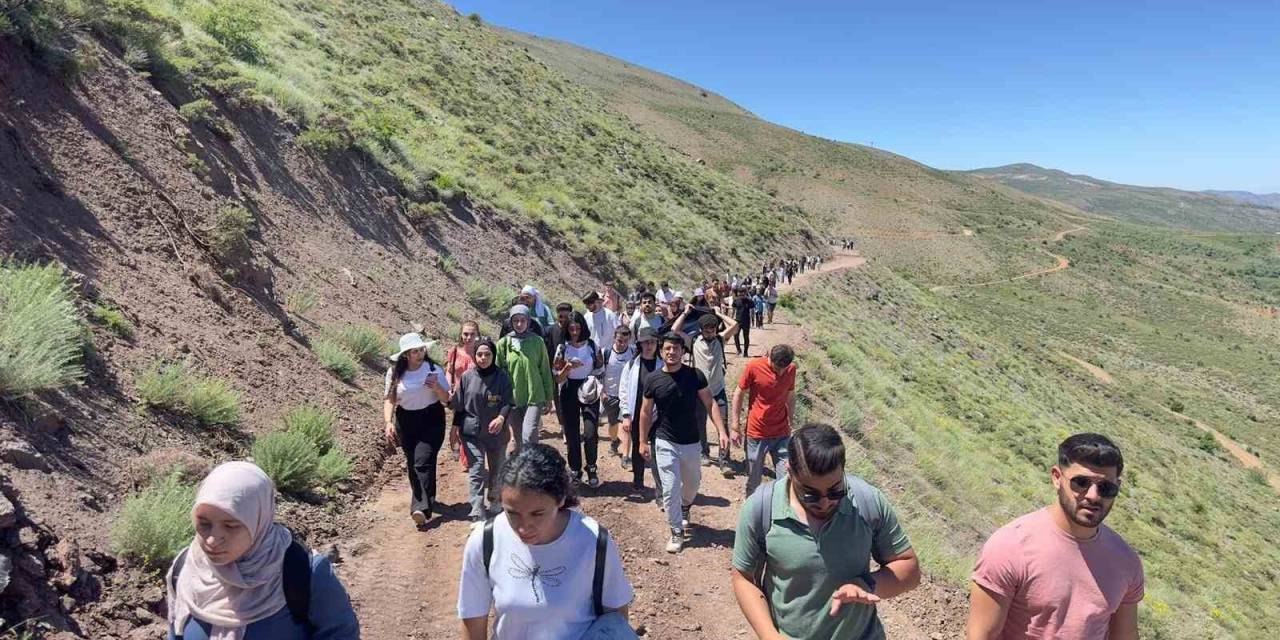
{"x": 413, "y": 411}
{"x": 577, "y": 361}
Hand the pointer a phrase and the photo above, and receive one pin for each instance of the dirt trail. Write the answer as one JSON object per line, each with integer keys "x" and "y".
{"x": 404, "y": 581}
{"x": 1236, "y": 450}
{"x": 1098, "y": 373}
{"x": 1061, "y": 263}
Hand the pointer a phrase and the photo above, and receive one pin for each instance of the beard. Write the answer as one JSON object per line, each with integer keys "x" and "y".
{"x": 1082, "y": 512}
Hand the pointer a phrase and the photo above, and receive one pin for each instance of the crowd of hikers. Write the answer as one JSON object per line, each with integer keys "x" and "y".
{"x": 652, "y": 366}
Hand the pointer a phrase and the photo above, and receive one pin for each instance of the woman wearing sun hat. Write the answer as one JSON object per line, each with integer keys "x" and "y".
{"x": 415, "y": 392}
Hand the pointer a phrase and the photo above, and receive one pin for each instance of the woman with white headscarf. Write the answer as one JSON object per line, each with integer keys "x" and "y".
{"x": 244, "y": 577}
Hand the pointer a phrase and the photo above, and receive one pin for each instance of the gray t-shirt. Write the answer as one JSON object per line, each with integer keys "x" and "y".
{"x": 479, "y": 399}
{"x": 708, "y": 357}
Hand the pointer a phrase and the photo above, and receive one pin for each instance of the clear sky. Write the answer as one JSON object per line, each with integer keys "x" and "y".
{"x": 1168, "y": 93}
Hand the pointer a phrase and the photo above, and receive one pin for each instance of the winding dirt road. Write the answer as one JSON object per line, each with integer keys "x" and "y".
{"x": 1061, "y": 263}
{"x": 404, "y": 581}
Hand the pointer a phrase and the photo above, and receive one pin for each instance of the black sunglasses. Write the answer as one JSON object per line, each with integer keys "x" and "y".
{"x": 1106, "y": 488}
{"x": 835, "y": 494}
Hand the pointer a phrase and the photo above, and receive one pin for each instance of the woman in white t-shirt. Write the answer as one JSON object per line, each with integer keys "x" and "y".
{"x": 576, "y": 361}
{"x": 413, "y": 409}
{"x": 538, "y": 577}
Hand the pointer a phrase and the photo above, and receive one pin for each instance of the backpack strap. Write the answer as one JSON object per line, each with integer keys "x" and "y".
{"x": 297, "y": 583}
{"x": 864, "y": 498}
{"x": 487, "y": 544}
{"x": 762, "y": 513}
{"x": 597, "y": 581}
{"x": 180, "y": 560}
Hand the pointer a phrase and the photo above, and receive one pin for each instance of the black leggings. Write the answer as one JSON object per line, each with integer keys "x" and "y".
{"x": 578, "y": 422}
{"x": 421, "y": 434}
{"x": 742, "y": 339}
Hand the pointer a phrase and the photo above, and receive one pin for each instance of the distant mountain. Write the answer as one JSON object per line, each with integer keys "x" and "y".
{"x": 1156, "y": 205}
{"x": 1261, "y": 199}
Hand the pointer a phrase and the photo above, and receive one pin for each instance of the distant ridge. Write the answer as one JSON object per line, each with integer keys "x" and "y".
{"x": 1248, "y": 197}
{"x": 1203, "y": 211}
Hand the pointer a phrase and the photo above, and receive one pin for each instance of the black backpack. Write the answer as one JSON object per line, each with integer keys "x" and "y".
{"x": 597, "y": 581}
{"x": 296, "y": 583}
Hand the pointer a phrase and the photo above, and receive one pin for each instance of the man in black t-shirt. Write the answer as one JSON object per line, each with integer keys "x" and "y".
{"x": 671, "y": 396}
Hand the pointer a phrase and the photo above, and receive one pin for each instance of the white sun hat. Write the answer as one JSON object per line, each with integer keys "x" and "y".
{"x": 410, "y": 341}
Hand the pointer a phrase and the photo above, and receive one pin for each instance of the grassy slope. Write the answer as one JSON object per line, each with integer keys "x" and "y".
{"x": 452, "y": 109}
{"x": 1158, "y": 205}
{"x": 959, "y": 399}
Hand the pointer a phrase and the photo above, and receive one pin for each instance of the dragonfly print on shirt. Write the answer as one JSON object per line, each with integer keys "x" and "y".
{"x": 535, "y": 574}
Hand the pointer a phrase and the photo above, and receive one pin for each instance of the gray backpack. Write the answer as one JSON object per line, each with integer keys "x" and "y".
{"x": 862, "y": 494}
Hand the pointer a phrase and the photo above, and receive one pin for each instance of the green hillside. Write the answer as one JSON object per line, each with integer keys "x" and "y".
{"x": 958, "y": 394}
{"x": 448, "y": 106}
{"x": 1157, "y": 205}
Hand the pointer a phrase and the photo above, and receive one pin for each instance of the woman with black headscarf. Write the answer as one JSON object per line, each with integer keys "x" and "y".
{"x": 481, "y": 403}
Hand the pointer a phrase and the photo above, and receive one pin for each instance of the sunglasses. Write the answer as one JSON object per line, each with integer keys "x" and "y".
{"x": 1106, "y": 488}
{"x": 835, "y": 494}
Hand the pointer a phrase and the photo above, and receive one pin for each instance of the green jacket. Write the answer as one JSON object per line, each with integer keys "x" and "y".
{"x": 529, "y": 368}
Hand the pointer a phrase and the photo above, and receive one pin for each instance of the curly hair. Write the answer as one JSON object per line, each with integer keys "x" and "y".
{"x": 540, "y": 468}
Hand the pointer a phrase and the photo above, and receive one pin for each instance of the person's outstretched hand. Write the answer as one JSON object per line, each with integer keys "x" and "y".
{"x": 851, "y": 594}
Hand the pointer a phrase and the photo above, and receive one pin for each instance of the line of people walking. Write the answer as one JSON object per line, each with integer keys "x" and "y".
{"x": 657, "y": 377}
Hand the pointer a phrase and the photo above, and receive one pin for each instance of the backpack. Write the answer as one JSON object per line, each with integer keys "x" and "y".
{"x": 296, "y": 583}
{"x": 597, "y": 580}
{"x": 864, "y": 498}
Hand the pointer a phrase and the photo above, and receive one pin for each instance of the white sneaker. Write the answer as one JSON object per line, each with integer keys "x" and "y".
{"x": 676, "y": 543}
{"x": 419, "y": 518}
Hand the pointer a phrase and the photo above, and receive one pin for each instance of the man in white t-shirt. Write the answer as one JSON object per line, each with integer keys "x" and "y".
{"x": 664, "y": 293}
{"x": 603, "y": 321}
{"x": 615, "y": 358}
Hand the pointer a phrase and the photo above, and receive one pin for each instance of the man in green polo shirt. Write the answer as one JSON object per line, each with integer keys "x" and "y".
{"x": 814, "y": 542}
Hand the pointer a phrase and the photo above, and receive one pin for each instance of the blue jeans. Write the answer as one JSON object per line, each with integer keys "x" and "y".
{"x": 775, "y": 448}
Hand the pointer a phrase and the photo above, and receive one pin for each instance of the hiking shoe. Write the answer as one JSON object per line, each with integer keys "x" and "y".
{"x": 577, "y": 478}
{"x": 626, "y": 463}
{"x": 676, "y": 543}
{"x": 593, "y": 480}
{"x": 613, "y": 446}
{"x": 419, "y": 517}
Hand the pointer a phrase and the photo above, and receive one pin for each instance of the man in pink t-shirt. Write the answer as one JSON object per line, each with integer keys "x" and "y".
{"x": 1058, "y": 573}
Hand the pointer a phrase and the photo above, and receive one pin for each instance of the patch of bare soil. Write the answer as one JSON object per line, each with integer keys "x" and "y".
{"x": 1097, "y": 372}
{"x": 404, "y": 582}
{"x": 1237, "y": 451}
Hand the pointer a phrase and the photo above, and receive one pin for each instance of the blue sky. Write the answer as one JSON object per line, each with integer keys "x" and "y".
{"x": 1180, "y": 94}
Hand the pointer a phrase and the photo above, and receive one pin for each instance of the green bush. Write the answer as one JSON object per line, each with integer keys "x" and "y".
{"x": 333, "y": 467}
{"x": 212, "y": 402}
{"x": 289, "y": 458}
{"x": 237, "y": 24}
{"x": 300, "y": 302}
{"x": 323, "y": 141}
{"x": 366, "y": 342}
{"x": 314, "y": 423}
{"x": 40, "y": 346}
{"x": 230, "y": 236}
{"x": 113, "y": 319}
{"x": 200, "y": 111}
{"x": 155, "y": 524}
{"x": 421, "y": 213}
{"x": 175, "y": 388}
{"x": 493, "y": 300}
{"x": 1177, "y": 406}
{"x": 337, "y": 359}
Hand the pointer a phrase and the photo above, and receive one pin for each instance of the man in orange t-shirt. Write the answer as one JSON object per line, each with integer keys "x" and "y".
{"x": 772, "y": 384}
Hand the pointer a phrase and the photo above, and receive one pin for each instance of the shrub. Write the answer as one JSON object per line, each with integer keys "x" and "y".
{"x": 447, "y": 264}
{"x": 300, "y": 302}
{"x": 113, "y": 319}
{"x": 336, "y": 359}
{"x": 1177, "y": 406}
{"x": 200, "y": 111}
{"x": 212, "y": 402}
{"x": 493, "y": 300}
{"x": 175, "y": 388}
{"x": 289, "y": 459}
{"x": 230, "y": 235}
{"x": 366, "y": 342}
{"x": 40, "y": 346}
{"x": 314, "y": 423}
{"x": 237, "y": 25}
{"x": 323, "y": 141}
{"x": 155, "y": 524}
{"x": 333, "y": 467}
